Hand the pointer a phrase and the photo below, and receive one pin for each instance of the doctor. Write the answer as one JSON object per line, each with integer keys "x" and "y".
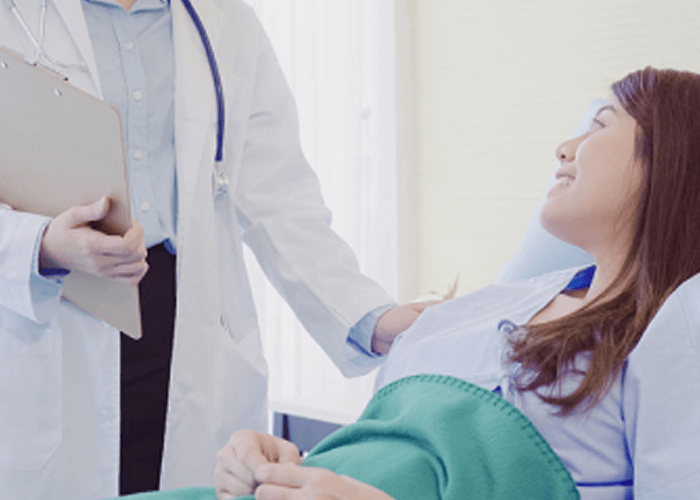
{"x": 60, "y": 367}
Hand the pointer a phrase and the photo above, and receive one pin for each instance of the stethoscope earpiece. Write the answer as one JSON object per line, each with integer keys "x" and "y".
{"x": 39, "y": 44}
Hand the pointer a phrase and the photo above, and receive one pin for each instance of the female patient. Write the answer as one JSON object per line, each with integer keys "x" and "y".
{"x": 610, "y": 384}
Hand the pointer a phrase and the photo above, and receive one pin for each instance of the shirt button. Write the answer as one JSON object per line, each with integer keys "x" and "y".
{"x": 136, "y": 95}
{"x": 145, "y": 206}
{"x": 128, "y": 45}
{"x": 138, "y": 154}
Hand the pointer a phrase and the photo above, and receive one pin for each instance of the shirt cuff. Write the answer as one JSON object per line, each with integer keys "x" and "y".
{"x": 45, "y": 273}
{"x": 360, "y": 335}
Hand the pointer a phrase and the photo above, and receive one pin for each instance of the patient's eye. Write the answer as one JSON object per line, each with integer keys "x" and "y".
{"x": 596, "y": 123}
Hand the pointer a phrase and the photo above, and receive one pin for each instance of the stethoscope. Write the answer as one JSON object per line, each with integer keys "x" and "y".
{"x": 221, "y": 180}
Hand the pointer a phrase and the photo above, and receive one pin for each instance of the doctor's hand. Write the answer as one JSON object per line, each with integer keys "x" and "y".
{"x": 293, "y": 482}
{"x": 396, "y": 320}
{"x": 71, "y": 243}
{"x": 244, "y": 452}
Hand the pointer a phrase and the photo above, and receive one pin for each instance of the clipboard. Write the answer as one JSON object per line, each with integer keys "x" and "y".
{"x": 59, "y": 147}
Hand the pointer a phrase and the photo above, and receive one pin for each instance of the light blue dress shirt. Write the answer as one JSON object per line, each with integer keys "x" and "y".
{"x": 134, "y": 53}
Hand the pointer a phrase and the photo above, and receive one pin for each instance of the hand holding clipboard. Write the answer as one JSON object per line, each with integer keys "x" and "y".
{"x": 71, "y": 242}
{"x": 61, "y": 147}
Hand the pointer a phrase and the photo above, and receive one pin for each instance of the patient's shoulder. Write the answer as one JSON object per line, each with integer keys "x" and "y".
{"x": 689, "y": 297}
{"x": 676, "y": 326}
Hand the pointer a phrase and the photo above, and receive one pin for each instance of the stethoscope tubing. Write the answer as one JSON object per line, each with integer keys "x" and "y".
{"x": 216, "y": 78}
{"x": 39, "y": 43}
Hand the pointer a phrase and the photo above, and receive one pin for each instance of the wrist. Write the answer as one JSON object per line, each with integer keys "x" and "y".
{"x": 42, "y": 264}
{"x": 46, "y": 260}
{"x": 381, "y": 346}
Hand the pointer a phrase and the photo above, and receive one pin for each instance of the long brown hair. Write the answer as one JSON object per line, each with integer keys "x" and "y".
{"x": 664, "y": 253}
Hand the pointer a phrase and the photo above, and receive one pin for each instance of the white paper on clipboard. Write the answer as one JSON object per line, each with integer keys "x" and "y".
{"x": 60, "y": 147}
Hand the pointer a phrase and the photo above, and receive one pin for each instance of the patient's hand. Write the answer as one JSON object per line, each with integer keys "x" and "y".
{"x": 246, "y": 450}
{"x": 293, "y": 482}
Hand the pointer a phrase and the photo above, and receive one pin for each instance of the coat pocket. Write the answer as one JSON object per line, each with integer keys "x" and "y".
{"x": 30, "y": 395}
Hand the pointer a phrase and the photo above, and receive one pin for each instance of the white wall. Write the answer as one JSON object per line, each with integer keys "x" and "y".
{"x": 496, "y": 86}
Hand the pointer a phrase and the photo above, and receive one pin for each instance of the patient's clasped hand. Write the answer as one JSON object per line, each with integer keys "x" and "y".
{"x": 579, "y": 382}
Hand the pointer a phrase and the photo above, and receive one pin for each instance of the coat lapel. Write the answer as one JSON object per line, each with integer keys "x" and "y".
{"x": 195, "y": 102}
{"x": 71, "y": 12}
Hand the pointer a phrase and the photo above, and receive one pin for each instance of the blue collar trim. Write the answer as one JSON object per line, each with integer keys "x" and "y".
{"x": 582, "y": 279}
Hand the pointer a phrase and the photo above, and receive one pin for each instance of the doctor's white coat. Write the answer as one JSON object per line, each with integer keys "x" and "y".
{"x": 59, "y": 367}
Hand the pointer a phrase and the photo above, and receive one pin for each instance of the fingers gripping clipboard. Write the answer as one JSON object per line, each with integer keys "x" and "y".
{"x": 61, "y": 147}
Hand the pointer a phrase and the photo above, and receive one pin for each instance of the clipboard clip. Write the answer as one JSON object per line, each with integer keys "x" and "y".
{"x": 4, "y": 64}
{"x": 51, "y": 72}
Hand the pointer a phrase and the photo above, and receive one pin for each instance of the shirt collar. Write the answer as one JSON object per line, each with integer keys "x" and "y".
{"x": 582, "y": 279}
{"x": 140, "y": 5}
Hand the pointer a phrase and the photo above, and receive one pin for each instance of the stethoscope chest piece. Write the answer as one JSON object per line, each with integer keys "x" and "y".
{"x": 221, "y": 181}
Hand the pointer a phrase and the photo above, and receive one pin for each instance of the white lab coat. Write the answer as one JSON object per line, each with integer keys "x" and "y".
{"x": 59, "y": 367}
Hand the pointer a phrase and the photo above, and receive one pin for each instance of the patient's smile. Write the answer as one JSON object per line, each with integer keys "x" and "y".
{"x": 564, "y": 179}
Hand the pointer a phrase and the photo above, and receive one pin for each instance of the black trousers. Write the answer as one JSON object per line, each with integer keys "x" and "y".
{"x": 145, "y": 375}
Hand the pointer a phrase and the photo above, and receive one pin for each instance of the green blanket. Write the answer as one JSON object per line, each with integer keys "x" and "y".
{"x": 435, "y": 437}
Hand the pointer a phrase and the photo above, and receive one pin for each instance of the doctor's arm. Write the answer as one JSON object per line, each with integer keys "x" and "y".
{"x": 36, "y": 251}
{"x": 287, "y": 225}
{"x": 32, "y": 292}
{"x": 22, "y": 290}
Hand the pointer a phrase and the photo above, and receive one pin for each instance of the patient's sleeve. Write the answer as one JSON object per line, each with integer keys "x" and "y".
{"x": 661, "y": 400}
{"x": 538, "y": 251}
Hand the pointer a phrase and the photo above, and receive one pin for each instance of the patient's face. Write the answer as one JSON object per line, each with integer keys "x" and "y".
{"x": 592, "y": 205}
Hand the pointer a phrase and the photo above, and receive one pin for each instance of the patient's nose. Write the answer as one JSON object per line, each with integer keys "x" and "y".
{"x": 566, "y": 151}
